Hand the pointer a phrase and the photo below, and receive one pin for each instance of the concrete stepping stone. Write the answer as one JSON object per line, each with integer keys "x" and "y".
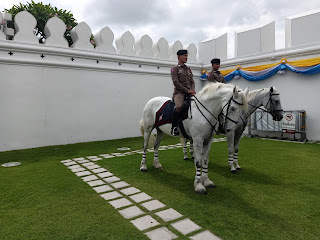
{"x": 130, "y": 191}
{"x": 104, "y": 155}
{"x": 206, "y": 235}
{"x": 79, "y": 159}
{"x": 131, "y": 212}
{"x": 185, "y": 226}
{"x": 74, "y": 166}
{"x": 161, "y": 234}
{"x": 83, "y": 161}
{"x": 120, "y": 184}
{"x": 80, "y": 174}
{"x": 111, "y": 195}
{"x": 138, "y": 151}
{"x": 70, "y": 163}
{"x": 90, "y": 157}
{"x": 122, "y": 202}
{"x": 96, "y": 159}
{"x": 93, "y": 166}
{"x": 89, "y": 178}
{"x": 105, "y": 174}
{"x": 118, "y": 154}
{"x": 88, "y": 164}
{"x": 65, "y": 161}
{"x": 145, "y": 222}
{"x": 111, "y": 179}
{"x": 111, "y": 156}
{"x": 95, "y": 183}
{"x": 169, "y": 215}
{"x": 78, "y": 169}
{"x": 104, "y": 188}
{"x": 99, "y": 170}
{"x": 128, "y": 153}
{"x": 124, "y": 149}
{"x": 153, "y": 205}
{"x": 140, "y": 197}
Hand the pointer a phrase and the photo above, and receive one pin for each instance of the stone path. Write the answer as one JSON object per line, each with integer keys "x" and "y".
{"x": 138, "y": 207}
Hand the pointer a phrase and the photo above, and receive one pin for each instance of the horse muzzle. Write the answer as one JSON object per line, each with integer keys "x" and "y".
{"x": 277, "y": 116}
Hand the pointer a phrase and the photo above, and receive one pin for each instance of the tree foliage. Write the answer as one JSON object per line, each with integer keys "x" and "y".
{"x": 43, "y": 13}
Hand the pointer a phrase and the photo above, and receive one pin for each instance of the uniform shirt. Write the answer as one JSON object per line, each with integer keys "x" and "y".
{"x": 216, "y": 76}
{"x": 182, "y": 79}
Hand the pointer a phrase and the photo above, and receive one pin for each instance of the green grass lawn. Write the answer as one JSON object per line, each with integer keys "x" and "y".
{"x": 276, "y": 196}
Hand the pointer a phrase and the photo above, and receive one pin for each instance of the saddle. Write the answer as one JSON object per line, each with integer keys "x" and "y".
{"x": 164, "y": 114}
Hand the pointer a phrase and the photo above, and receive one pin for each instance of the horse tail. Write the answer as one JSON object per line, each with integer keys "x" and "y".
{"x": 152, "y": 138}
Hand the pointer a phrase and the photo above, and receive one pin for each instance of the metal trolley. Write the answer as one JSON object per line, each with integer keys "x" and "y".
{"x": 261, "y": 122}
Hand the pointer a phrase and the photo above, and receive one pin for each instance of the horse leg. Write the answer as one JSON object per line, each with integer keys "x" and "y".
{"x": 230, "y": 140}
{"x": 205, "y": 162}
{"x": 191, "y": 149}
{"x": 198, "y": 186}
{"x": 147, "y": 133}
{"x": 185, "y": 152}
{"x": 156, "y": 162}
{"x": 236, "y": 150}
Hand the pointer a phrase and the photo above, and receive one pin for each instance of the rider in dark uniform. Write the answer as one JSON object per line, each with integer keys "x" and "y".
{"x": 215, "y": 75}
{"x": 182, "y": 78}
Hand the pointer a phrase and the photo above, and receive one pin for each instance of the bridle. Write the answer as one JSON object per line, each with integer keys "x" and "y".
{"x": 272, "y": 107}
{"x": 225, "y": 117}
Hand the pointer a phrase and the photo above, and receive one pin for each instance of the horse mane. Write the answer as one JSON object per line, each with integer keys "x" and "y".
{"x": 252, "y": 94}
{"x": 208, "y": 91}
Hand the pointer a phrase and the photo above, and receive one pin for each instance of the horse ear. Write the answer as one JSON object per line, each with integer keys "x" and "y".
{"x": 246, "y": 91}
{"x": 235, "y": 91}
{"x": 271, "y": 89}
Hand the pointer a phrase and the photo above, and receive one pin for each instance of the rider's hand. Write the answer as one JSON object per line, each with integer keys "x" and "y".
{"x": 192, "y": 92}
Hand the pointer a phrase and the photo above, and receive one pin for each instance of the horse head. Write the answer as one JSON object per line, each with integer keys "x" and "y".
{"x": 234, "y": 107}
{"x": 273, "y": 104}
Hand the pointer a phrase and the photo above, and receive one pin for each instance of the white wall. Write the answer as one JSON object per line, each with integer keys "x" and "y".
{"x": 82, "y": 94}
{"x": 43, "y": 105}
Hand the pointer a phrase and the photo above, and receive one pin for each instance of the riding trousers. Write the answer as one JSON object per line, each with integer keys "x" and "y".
{"x": 178, "y": 99}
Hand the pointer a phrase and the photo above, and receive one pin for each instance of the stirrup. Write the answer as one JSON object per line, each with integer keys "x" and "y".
{"x": 175, "y": 131}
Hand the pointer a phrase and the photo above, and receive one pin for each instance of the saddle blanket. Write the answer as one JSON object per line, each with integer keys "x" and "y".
{"x": 164, "y": 114}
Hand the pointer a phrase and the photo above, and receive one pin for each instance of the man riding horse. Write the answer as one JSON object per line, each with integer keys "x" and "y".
{"x": 182, "y": 78}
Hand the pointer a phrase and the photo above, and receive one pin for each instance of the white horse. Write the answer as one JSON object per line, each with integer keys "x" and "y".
{"x": 213, "y": 99}
{"x": 269, "y": 98}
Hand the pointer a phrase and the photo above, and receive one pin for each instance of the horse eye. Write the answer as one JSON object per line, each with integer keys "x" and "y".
{"x": 233, "y": 108}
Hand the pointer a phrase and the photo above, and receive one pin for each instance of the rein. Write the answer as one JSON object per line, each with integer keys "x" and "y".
{"x": 221, "y": 112}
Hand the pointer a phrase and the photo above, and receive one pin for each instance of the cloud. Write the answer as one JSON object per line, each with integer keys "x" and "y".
{"x": 190, "y": 21}
{"x": 130, "y": 13}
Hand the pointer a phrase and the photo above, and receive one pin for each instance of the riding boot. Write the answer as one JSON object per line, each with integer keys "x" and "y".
{"x": 175, "y": 119}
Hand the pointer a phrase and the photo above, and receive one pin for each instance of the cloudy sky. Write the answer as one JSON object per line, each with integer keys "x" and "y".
{"x": 190, "y": 21}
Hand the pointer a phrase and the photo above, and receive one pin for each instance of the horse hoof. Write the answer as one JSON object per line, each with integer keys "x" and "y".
{"x": 239, "y": 169}
{"x": 193, "y": 158}
{"x": 234, "y": 172}
{"x": 143, "y": 170}
{"x": 202, "y": 192}
{"x": 212, "y": 186}
{"x": 160, "y": 168}
{"x": 186, "y": 159}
